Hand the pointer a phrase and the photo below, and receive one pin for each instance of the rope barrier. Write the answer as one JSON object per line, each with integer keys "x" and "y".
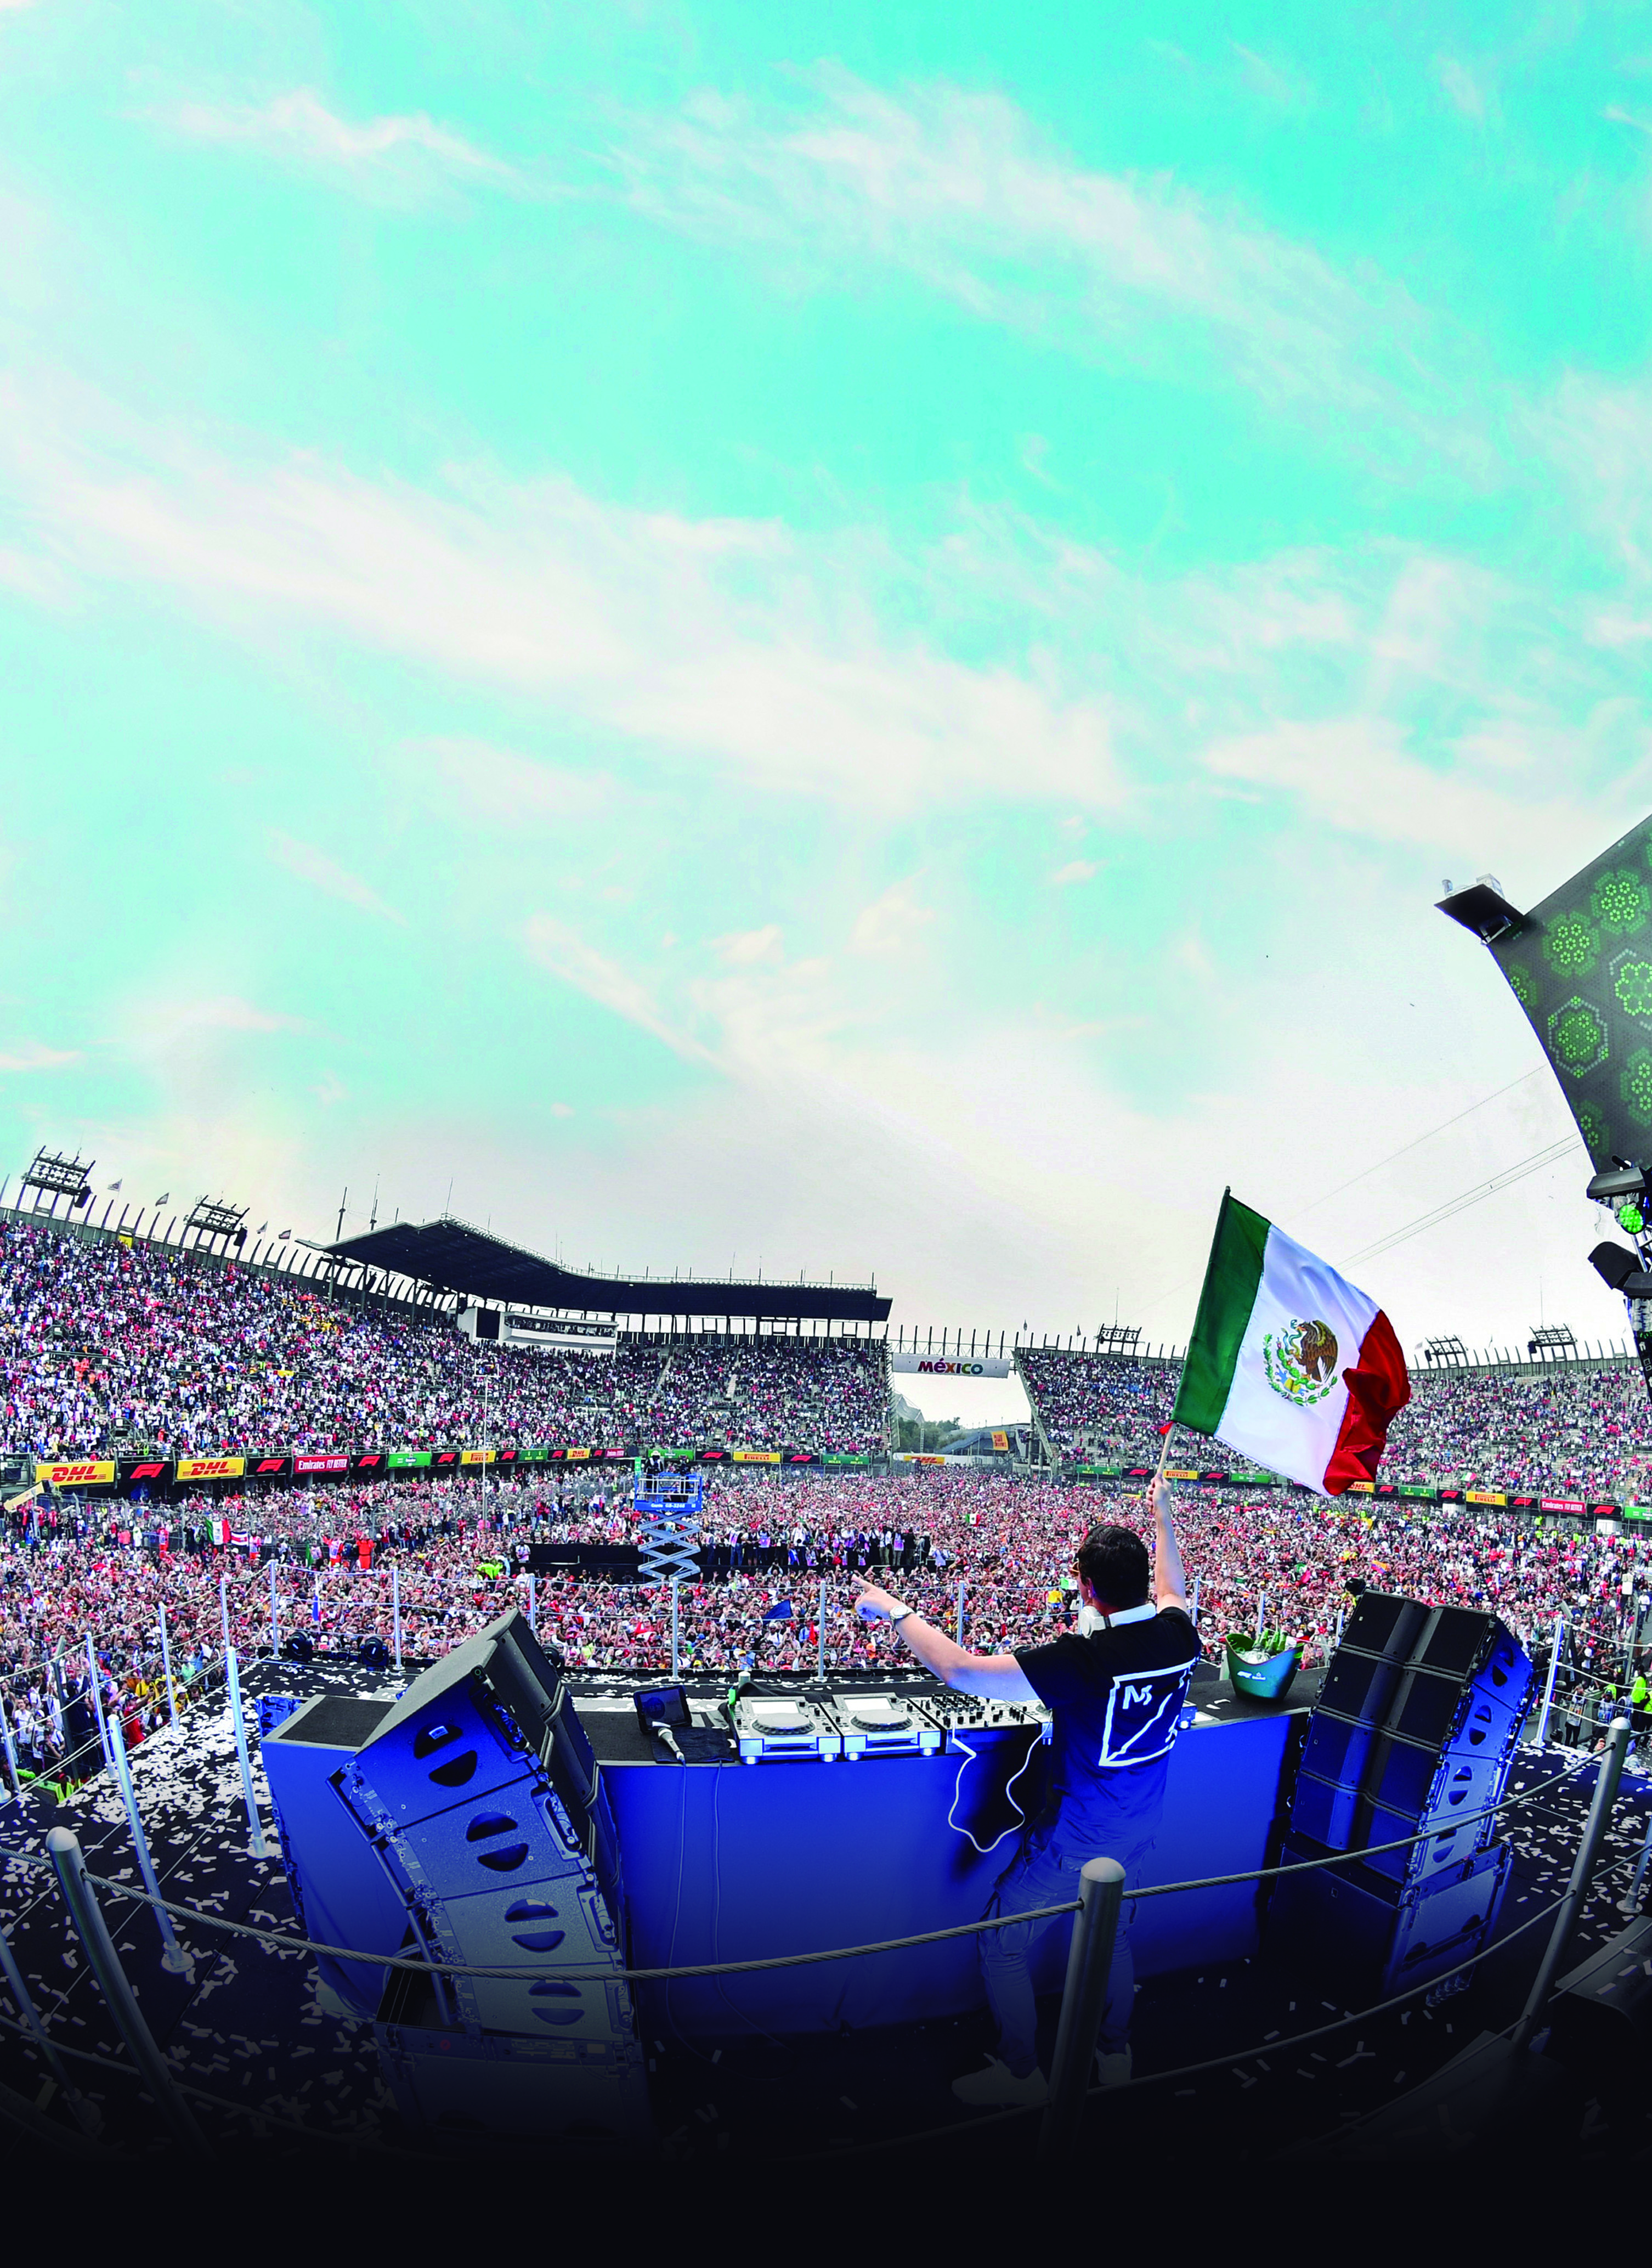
{"x": 1211, "y": 2063}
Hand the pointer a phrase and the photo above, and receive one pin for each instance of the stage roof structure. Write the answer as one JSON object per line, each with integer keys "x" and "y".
{"x": 451, "y": 1257}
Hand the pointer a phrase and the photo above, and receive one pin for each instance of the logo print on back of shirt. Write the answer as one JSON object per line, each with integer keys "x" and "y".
{"x": 1142, "y": 1716}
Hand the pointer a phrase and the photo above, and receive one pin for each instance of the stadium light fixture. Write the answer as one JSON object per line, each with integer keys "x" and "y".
{"x": 1448, "y": 1353}
{"x": 211, "y": 1216}
{"x": 59, "y": 1176}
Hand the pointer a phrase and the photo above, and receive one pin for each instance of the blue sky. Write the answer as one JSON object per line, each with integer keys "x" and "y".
{"x": 858, "y": 641}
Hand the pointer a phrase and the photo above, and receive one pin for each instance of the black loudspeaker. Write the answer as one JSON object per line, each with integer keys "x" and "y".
{"x": 1415, "y": 1727}
{"x": 482, "y": 1800}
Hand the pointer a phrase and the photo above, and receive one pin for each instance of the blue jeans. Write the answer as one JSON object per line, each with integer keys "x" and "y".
{"x": 1045, "y": 1873}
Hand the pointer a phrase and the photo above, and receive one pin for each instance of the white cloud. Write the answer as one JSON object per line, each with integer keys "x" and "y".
{"x": 717, "y": 643}
{"x": 498, "y": 786}
{"x": 33, "y": 1056}
{"x": 742, "y": 948}
{"x": 173, "y": 1025}
{"x": 1460, "y": 88}
{"x": 1076, "y": 869}
{"x": 962, "y": 190}
{"x": 314, "y": 866}
{"x": 893, "y": 923}
{"x": 566, "y": 955}
{"x": 1277, "y": 82}
{"x": 1355, "y": 773}
{"x": 396, "y": 156}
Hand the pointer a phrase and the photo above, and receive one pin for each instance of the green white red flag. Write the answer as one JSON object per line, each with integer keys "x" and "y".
{"x": 1289, "y": 1364}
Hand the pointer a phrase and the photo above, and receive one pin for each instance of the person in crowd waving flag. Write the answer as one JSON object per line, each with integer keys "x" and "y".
{"x": 1288, "y": 1363}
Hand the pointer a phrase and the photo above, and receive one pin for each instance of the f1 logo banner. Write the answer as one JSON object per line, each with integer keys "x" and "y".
{"x": 144, "y": 1472}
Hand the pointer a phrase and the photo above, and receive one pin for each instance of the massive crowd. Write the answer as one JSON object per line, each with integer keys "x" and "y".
{"x": 105, "y": 1343}
{"x": 336, "y": 1571}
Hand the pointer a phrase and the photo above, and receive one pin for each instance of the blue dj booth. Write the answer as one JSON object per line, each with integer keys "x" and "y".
{"x": 493, "y": 1819}
{"x": 514, "y": 1850}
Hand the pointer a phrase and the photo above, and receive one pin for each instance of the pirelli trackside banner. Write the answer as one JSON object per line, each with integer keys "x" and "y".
{"x": 943, "y": 1366}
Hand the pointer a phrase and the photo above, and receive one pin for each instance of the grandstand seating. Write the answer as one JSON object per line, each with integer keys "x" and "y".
{"x": 103, "y": 1342}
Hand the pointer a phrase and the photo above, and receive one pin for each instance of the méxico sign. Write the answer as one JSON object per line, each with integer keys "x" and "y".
{"x": 942, "y": 1366}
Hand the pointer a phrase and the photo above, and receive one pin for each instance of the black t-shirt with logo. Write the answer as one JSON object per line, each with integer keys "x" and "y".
{"x": 1116, "y": 1697}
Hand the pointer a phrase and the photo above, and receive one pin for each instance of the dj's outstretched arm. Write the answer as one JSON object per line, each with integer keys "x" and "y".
{"x": 1170, "y": 1581}
{"x": 994, "y": 1676}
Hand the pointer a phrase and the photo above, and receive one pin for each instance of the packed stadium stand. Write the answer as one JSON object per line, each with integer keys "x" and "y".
{"x": 105, "y": 1343}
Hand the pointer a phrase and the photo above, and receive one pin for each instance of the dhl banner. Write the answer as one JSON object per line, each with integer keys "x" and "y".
{"x": 86, "y": 1472}
{"x": 757, "y": 1456}
{"x": 211, "y": 1468}
{"x": 1001, "y": 1440}
{"x": 573, "y": 1453}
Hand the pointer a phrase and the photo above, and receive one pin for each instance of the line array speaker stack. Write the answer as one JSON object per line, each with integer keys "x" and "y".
{"x": 1415, "y": 1727}
{"x": 476, "y": 1806}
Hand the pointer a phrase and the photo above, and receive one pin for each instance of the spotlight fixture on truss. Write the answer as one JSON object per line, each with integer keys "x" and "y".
{"x": 1551, "y": 1342}
{"x": 1445, "y": 1354}
{"x": 59, "y": 1176}
{"x": 211, "y": 1216}
{"x": 1118, "y": 1339}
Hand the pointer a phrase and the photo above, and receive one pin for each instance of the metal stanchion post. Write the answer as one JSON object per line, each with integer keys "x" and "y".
{"x": 275, "y": 1618}
{"x": 256, "y": 1844}
{"x": 1577, "y": 1890}
{"x": 95, "y": 1689}
{"x": 1089, "y": 1960}
{"x": 13, "y": 1769}
{"x": 167, "y": 1664}
{"x": 87, "y": 2115}
{"x": 69, "y": 1865}
{"x": 959, "y": 1633}
{"x": 1630, "y": 1902}
{"x": 395, "y": 1610}
{"x": 1548, "y": 1683}
{"x": 533, "y": 1603}
{"x": 820, "y": 1631}
{"x": 173, "y": 1959}
{"x": 675, "y": 1632}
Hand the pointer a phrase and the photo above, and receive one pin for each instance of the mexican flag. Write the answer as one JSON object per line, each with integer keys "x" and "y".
{"x": 1289, "y": 1364}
